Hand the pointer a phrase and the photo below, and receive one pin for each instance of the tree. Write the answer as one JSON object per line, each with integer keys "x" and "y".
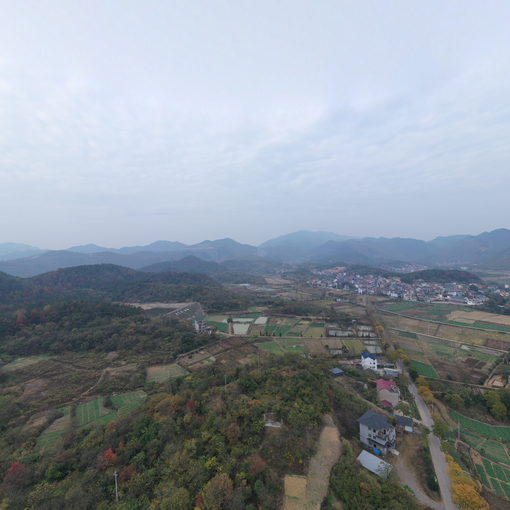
{"x": 455, "y": 400}
{"x": 18, "y": 474}
{"x": 216, "y": 492}
{"x": 440, "y": 427}
{"x": 499, "y": 410}
{"x": 179, "y": 499}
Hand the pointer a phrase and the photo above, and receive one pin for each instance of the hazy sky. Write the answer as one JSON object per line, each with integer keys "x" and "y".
{"x": 123, "y": 122}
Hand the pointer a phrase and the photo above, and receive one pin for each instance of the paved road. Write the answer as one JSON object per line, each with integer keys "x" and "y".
{"x": 438, "y": 458}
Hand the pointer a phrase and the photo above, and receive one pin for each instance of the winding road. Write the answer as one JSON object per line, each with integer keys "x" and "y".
{"x": 438, "y": 457}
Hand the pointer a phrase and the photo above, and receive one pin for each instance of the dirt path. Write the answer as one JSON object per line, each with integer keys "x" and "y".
{"x": 406, "y": 475}
{"x": 95, "y": 384}
{"x": 307, "y": 493}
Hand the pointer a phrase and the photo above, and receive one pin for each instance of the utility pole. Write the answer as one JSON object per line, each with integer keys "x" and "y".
{"x": 116, "y": 488}
{"x": 225, "y": 383}
{"x": 458, "y": 431}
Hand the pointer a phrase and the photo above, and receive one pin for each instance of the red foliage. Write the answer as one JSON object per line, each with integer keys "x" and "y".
{"x": 190, "y": 404}
{"x": 257, "y": 464}
{"x": 17, "y": 474}
{"x": 126, "y": 473}
{"x": 199, "y": 502}
{"x": 109, "y": 457}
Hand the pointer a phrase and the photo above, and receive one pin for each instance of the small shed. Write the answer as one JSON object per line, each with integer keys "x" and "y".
{"x": 404, "y": 424}
{"x": 336, "y": 372}
{"x": 374, "y": 464}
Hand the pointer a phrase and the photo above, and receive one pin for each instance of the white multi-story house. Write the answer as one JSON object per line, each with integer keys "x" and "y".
{"x": 368, "y": 361}
{"x": 376, "y": 432}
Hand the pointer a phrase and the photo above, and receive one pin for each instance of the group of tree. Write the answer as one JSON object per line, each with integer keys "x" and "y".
{"x": 203, "y": 445}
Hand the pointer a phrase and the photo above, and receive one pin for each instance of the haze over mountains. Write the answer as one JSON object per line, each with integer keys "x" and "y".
{"x": 488, "y": 250}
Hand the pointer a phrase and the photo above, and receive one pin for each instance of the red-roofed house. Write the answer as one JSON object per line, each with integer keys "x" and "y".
{"x": 387, "y": 392}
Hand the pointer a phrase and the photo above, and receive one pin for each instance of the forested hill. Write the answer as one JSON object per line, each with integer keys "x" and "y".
{"x": 114, "y": 283}
{"x": 202, "y": 445}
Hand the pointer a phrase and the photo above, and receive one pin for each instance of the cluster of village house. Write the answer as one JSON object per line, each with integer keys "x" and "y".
{"x": 394, "y": 287}
{"x": 376, "y": 433}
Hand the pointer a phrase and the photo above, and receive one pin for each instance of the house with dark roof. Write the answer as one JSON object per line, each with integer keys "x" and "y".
{"x": 404, "y": 424}
{"x": 376, "y": 431}
{"x": 368, "y": 360}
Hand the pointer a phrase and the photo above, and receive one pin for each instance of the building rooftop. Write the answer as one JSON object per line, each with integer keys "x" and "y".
{"x": 366, "y": 354}
{"x": 383, "y": 384}
{"x": 404, "y": 421}
{"x": 374, "y": 421}
{"x": 374, "y": 464}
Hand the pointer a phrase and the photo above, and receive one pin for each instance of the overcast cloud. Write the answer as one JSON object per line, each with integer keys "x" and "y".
{"x": 123, "y": 122}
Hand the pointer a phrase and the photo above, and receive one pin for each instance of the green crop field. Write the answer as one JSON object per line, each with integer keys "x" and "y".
{"x": 424, "y": 369}
{"x": 494, "y": 477}
{"x": 482, "y": 429}
{"x": 408, "y": 334}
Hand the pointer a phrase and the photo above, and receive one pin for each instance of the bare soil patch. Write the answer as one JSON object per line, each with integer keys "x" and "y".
{"x": 308, "y": 493}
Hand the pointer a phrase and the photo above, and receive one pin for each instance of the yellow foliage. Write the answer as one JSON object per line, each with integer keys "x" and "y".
{"x": 467, "y": 497}
{"x": 464, "y": 489}
{"x": 422, "y": 381}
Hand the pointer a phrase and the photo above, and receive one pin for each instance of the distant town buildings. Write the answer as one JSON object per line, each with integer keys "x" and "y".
{"x": 395, "y": 288}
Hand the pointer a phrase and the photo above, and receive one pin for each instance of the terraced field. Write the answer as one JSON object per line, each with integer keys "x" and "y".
{"x": 91, "y": 412}
{"x": 494, "y": 477}
{"x": 482, "y": 429}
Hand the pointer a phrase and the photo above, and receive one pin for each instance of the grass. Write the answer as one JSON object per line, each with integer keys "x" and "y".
{"x": 314, "y": 332}
{"x": 481, "y": 428}
{"x": 424, "y": 369}
{"x": 24, "y": 362}
{"x": 220, "y": 326}
{"x": 161, "y": 373}
{"x": 355, "y": 346}
{"x": 282, "y": 346}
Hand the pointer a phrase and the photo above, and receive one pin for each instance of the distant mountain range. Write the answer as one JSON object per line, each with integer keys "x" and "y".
{"x": 486, "y": 250}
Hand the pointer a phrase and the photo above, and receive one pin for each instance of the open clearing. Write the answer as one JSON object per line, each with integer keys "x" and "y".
{"x": 282, "y": 345}
{"x": 465, "y": 316}
{"x": 24, "y": 362}
{"x": 162, "y": 373}
{"x": 308, "y": 493}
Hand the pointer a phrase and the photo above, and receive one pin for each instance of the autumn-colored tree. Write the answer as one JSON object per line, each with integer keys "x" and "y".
{"x": 422, "y": 381}
{"x": 465, "y": 491}
{"x": 106, "y": 459}
{"x": 426, "y": 394}
{"x": 21, "y": 317}
{"x": 126, "y": 473}
{"x": 18, "y": 474}
{"x": 257, "y": 464}
{"x": 216, "y": 492}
